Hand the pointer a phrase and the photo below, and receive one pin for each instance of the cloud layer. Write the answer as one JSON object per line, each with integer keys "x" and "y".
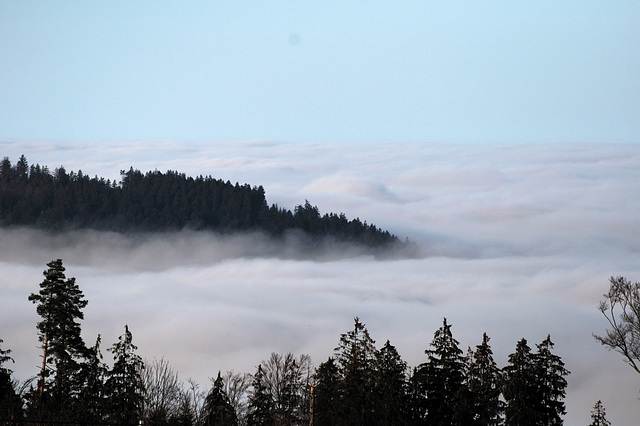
{"x": 518, "y": 241}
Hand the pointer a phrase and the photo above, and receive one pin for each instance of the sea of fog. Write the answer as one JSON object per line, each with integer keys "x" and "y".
{"x": 515, "y": 241}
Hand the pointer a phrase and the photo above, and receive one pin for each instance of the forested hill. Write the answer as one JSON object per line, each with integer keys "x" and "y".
{"x": 155, "y": 201}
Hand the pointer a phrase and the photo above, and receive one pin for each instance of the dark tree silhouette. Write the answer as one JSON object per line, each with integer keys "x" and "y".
{"x": 59, "y": 303}
{"x": 441, "y": 379}
{"x": 484, "y": 383}
{"x": 598, "y": 415}
{"x": 156, "y": 201}
{"x": 621, "y": 308}
{"x": 124, "y": 385}
{"x": 218, "y": 408}
{"x": 260, "y": 402}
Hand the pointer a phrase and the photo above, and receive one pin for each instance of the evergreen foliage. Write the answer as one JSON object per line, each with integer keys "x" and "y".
{"x": 359, "y": 385}
{"x": 535, "y": 386}
{"x": 440, "y": 381}
{"x": 59, "y": 303}
{"x": 483, "y": 381}
{"x": 155, "y": 201}
{"x": 598, "y": 415}
{"x": 326, "y": 394}
{"x": 520, "y": 390}
{"x": 124, "y": 384}
{"x": 390, "y": 387}
{"x": 260, "y": 402}
{"x": 356, "y": 356}
{"x": 92, "y": 376}
{"x": 550, "y": 377}
{"x": 10, "y": 402}
{"x": 218, "y": 407}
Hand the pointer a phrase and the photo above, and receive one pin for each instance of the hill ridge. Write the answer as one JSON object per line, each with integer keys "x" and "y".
{"x": 156, "y": 201}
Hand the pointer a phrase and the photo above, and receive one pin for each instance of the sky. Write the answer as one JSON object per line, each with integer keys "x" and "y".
{"x": 501, "y": 137}
{"x": 418, "y": 71}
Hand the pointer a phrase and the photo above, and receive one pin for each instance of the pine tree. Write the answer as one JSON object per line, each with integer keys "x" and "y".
{"x": 440, "y": 380}
{"x": 59, "y": 304}
{"x": 219, "y": 410}
{"x": 550, "y": 372}
{"x": 260, "y": 402}
{"x": 124, "y": 384}
{"x": 483, "y": 381}
{"x": 520, "y": 389}
{"x": 598, "y": 415}
{"x": 356, "y": 358}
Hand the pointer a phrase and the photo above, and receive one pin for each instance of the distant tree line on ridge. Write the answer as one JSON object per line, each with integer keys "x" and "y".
{"x": 359, "y": 385}
{"x": 155, "y": 201}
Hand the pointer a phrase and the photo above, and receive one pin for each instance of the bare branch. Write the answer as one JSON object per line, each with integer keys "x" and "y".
{"x": 621, "y": 308}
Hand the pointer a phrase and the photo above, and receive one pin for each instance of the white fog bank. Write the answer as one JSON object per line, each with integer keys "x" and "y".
{"x": 517, "y": 241}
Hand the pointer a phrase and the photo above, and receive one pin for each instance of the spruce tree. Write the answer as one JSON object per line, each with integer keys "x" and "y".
{"x": 550, "y": 373}
{"x": 124, "y": 385}
{"x": 483, "y": 381}
{"x": 440, "y": 380}
{"x": 59, "y": 303}
{"x": 520, "y": 389}
{"x": 390, "y": 387}
{"x": 598, "y": 415}
{"x": 10, "y": 401}
{"x": 326, "y": 395}
{"x": 356, "y": 358}
{"x": 93, "y": 373}
{"x": 219, "y": 411}
{"x": 260, "y": 402}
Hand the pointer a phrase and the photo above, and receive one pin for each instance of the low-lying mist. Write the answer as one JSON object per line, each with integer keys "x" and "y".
{"x": 157, "y": 251}
{"x": 514, "y": 240}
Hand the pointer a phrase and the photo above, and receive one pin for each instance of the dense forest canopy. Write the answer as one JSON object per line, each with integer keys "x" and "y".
{"x": 155, "y": 201}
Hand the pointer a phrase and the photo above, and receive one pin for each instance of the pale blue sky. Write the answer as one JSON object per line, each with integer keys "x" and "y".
{"x": 447, "y": 71}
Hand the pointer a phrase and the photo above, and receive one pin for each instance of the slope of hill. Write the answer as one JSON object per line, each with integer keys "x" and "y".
{"x": 155, "y": 201}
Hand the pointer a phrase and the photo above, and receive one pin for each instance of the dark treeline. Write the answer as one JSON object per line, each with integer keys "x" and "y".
{"x": 155, "y": 201}
{"x": 360, "y": 384}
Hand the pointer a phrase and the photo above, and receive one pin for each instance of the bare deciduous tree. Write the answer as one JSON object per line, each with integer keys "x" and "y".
{"x": 288, "y": 380}
{"x": 162, "y": 391}
{"x": 191, "y": 404}
{"x": 236, "y": 387}
{"x": 621, "y": 308}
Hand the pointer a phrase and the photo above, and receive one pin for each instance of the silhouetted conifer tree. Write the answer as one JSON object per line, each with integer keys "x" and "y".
{"x": 550, "y": 378}
{"x": 598, "y": 415}
{"x": 356, "y": 357}
{"x": 520, "y": 388}
{"x": 260, "y": 402}
{"x": 10, "y": 401}
{"x": 92, "y": 403}
{"x": 124, "y": 384}
{"x": 390, "y": 387}
{"x": 219, "y": 411}
{"x": 59, "y": 303}
{"x": 484, "y": 383}
{"x": 326, "y": 396}
{"x": 441, "y": 379}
